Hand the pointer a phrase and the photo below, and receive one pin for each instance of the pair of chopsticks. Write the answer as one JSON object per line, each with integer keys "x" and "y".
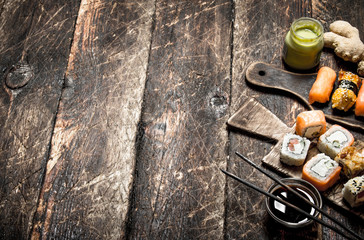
{"x": 277, "y": 180}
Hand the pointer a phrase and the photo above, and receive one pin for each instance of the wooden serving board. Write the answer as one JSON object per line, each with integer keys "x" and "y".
{"x": 299, "y": 85}
{"x": 253, "y": 118}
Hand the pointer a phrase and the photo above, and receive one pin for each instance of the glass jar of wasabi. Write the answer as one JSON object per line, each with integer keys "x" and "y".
{"x": 303, "y": 44}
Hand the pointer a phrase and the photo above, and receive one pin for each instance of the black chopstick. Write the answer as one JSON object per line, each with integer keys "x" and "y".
{"x": 286, "y": 203}
{"x": 297, "y": 194}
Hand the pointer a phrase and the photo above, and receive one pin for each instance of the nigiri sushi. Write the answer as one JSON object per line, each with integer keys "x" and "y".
{"x": 321, "y": 171}
{"x": 359, "y": 106}
{"x": 322, "y": 87}
{"x": 294, "y": 149}
{"x": 310, "y": 124}
{"x": 344, "y": 96}
{"x": 353, "y": 191}
{"x": 334, "y": 140}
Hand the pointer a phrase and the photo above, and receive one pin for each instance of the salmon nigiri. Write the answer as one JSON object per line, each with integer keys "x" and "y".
{"x": 322, "y": 87}
{"x": 311, "y": 124}
{"x": 359, "y": 106}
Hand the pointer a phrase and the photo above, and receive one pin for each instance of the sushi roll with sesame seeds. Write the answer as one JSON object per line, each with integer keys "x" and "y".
{"x": 334, "y": 140}
{"x": 294, "y": 149}
{"x": 353, "y": 191}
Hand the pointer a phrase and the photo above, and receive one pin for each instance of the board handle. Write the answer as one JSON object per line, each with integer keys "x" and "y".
{"x": 298, "y": 85}
{"x": 265, "y": 75}
{"x": 256, "y": 119}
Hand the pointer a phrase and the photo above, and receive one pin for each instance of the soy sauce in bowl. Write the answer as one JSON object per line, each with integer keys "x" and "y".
{"x": 287, "y": 215}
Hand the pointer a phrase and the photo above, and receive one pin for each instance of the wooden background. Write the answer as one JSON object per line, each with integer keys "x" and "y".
{"x": 113, "y": 116}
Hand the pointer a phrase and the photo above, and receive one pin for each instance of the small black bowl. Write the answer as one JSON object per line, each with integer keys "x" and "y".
{"x": 287, "y": 216}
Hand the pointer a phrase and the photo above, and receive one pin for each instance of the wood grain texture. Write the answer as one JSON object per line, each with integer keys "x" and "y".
{"x": 90, "y": 169}
{"x": 256, "y": 119}
{"x": 36, "y": 36}
{"x": 113, "y": 116}
{"x": 179, "y": 189}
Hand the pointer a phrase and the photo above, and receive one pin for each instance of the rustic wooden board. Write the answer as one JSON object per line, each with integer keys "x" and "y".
{"x": 256, "y": 119}
{"x": 333, "y": 194}
{"x": 34, "y": 45}
{"x": 257, "y": 124}
{"x": 90, "y": 169}
{"x": 299, "y": 85}
{"x": 179, "y": 189}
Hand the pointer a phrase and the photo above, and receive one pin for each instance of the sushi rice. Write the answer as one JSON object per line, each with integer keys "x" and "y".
{"x": 353, "y": 191}
{"x": 321, "y": 171}
{"x": 294, "y": 149}
{"x": 334, "y": 140}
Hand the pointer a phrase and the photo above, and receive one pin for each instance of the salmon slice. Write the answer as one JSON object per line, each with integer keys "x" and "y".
{"x": 322, "y": 87}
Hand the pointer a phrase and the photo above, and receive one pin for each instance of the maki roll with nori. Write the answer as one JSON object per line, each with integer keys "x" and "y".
{"x": 334, "y": 140}
{"x": 294, "y": 149}
{"x": 353, "y": 191}
{"x": 345, "y": 95}
{"x": 321, "y": 171}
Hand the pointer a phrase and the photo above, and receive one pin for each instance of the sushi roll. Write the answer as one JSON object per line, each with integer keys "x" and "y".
{"x": 294, "y": 149}
{"x": 345, "y": 95}
{"x": 321, "y": 171}
{"x": 353, "y": 191}
{"x": 351, "y": 159}
{"x": 335, "y": 139}
{"x": 310, "y": 124}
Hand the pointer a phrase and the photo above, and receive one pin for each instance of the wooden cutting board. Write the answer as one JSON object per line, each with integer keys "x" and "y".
{"x": 299, "y": 85}
{"x": 253, "y": 118}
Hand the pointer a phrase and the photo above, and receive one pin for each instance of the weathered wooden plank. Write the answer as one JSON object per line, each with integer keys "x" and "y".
{"x": 258, "y": 36}
{"x": 179, "y": 189}
{"x": 35, "y": 40}
{"x": 90, "y": 169}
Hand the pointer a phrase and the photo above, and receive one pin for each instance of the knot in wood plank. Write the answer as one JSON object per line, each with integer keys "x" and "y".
{"x": 18, "y": 75}
{"x": 219, "y": 102}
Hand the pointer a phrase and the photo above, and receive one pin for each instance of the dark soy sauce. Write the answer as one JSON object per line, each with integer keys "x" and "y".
{"x": 289, "y": 214}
